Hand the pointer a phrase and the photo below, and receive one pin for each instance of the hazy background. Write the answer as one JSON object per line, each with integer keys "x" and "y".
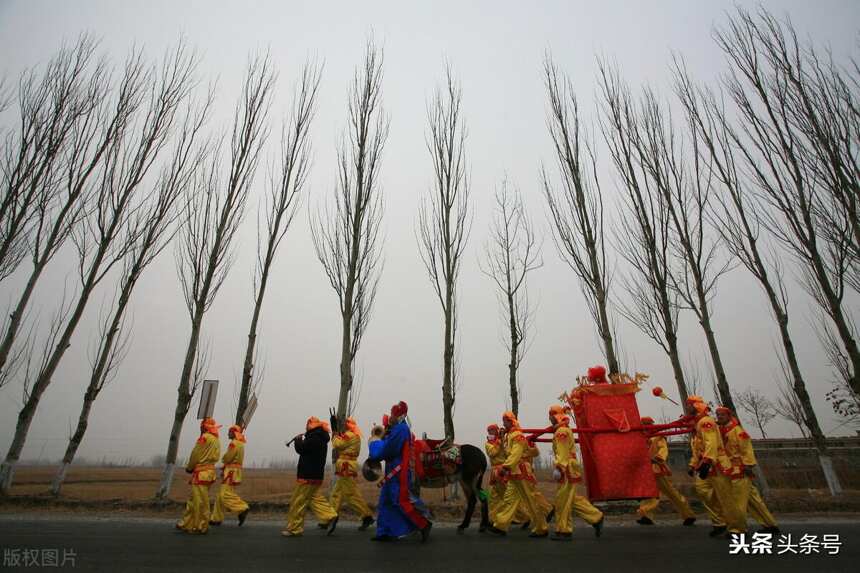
{"x": 496, "y": 49}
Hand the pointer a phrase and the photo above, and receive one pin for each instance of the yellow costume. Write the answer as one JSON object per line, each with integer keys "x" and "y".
{"x": 228, "y": 500}
{"x": 516, "y": 470}
{"x": 540, "y": 500}
{"x": 496, "y": 454}
{"x": 658, "y": 451}
{"x": 312, "y": 450}
{"x": 201, "y": 466}
{"x": 567, "y": 502}
{"x": 346, "y": 447}
{"x": 747, "y": 497}
{"x": 708, "y": 451}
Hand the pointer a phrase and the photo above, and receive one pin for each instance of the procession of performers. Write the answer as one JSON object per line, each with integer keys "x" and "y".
{"x": 722, "y": 466}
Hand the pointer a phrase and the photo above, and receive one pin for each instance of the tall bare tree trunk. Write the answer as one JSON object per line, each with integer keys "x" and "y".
{"x": 154, "y": 228}
{"x": 128, "y": 159}
{"x": 634, "y": 136}
{"x": 214, "y": 212}
{"x": 737, "y": 214}
{"x": 285, "y": 186}
{"x": 513, "y": 364}
{"x": 347, "y": 241}
{"x": 510, "y": 255}
{"x": 184, "y": 394}
{"x": 443, "y": 224}
{"x": 576, "y": 211}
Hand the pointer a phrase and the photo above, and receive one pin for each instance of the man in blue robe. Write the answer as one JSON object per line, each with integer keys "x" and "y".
{"x": 400, "y": 511}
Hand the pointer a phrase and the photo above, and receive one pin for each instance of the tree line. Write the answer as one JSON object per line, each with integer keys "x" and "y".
{"x": 758, "y": 171}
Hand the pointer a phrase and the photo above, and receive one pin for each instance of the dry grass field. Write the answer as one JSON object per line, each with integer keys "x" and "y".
{"x": 136, "y": 485}
{"x": 268, "y": 490}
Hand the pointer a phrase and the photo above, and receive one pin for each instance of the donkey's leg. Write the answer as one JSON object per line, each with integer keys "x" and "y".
{"x": 472, "y": 498}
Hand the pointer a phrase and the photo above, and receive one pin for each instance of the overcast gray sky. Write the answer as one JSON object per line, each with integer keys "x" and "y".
{"x": 495, "y": 49}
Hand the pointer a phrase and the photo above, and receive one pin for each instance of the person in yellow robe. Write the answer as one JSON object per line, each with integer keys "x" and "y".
{"x": 231, "y": 476}
{"x": 496, "y": 454}
{"x": 201, "y": 466}
{"x": 568, "y": 473}
{"x": 346, "y": 446}
{"x": 658, "y": 451}
{"x": 739, "y": 448}
{"x": 703, "y": 490}
{"x": 712, "y": 466}
{"x": 541, "y": 501}
{"x": 312, "y": 448}
{"x": 516, "y": 471}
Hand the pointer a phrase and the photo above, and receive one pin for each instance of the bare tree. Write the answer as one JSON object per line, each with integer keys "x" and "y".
{"x": 49, "y": 106}
{"x": 444, "y": 222}
{"x": 149, "y": 231}
{"x": 644, "y": 237}
{"x": 145, "y": 109}
{"x": 212, "y": 216}
{"x": 510, "y": 255}
{"x": 285, "y": 185}
{"x": 788, "y": 406}
{"x": 794, "y": 158}
{"x": 758, "y": 407}
{"x": 842, "y": 398}
{"x": 66, "y": 128}
{"x": 685, "y": 180}
{"x": 576, "y": 208}
{"x": 737, "y": 214}
{"x": 347, "y": 240}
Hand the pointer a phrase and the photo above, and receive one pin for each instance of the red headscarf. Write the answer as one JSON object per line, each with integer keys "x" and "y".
{"x": 399, "y": 410}
{"x": 493, "y": 429}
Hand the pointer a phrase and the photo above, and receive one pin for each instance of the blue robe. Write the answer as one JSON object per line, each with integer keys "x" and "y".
{"x": 400, "y": 511}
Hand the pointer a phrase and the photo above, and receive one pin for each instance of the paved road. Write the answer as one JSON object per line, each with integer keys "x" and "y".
{"x": 144, "y": 544}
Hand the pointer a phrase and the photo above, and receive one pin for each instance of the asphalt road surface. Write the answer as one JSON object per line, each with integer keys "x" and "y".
{"x": 147, "y": 544}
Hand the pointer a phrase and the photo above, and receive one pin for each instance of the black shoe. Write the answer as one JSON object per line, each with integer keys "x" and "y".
{"x": 550, "y": 515}
{"x": 535, "y": 534}
{"x": 384, "y": 538}
{"x": 689, "y": 521}
{"x": 772, "y": 530}
{"x": 561, "y": 536}
{"x": 598, "y": 527}
{"x": 717, "y": 531}
{"x": 496, "y": 531}
{"x": 425, "y": 532}
{"x": 645, "y": 521}
{"x": 332, "y": 525}
{"x": 215, "y": 523}
{"x": 526, "y": 525}
{"x": 365, "y": 523}
{"x": 323, "y": 525}
{"x": 243, "y": 516}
